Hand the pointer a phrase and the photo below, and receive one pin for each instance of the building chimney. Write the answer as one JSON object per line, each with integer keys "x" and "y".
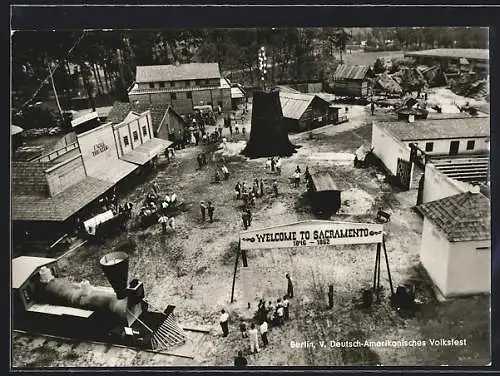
{"x": 115, "y": 267}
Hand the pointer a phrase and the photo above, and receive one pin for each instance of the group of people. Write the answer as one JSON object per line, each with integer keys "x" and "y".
{"x": 297, "y": 173}
{"x": 224, "y": 171}
{"x": 249, "y": 196}
{"x": 276, "y": 315}
{"x": 207, "y": 207}
{"x": 273, "y": 164}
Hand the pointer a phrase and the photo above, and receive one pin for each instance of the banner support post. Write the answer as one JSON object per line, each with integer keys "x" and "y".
{"x": 235, "y": 269}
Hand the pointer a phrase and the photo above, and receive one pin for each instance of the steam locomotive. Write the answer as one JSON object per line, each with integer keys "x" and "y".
{"x": 44, "y": 302}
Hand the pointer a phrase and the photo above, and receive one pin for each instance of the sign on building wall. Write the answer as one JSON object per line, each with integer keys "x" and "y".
{"x": 97, "y": 148}
{"x": 312, "y": 233}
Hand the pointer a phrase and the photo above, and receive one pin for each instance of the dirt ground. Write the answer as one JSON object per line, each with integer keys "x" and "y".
{"x": 192, "y": 268}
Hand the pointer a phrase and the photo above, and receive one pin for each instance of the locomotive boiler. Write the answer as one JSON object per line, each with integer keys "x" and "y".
{"x": 44, "y": 302}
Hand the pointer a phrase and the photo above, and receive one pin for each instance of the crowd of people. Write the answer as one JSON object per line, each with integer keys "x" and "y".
{"x": 156, "y": 208}
{"x": 266, "y": 317}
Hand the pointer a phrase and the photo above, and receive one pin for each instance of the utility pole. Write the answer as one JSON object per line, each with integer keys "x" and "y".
{"x": 54, "y": 89}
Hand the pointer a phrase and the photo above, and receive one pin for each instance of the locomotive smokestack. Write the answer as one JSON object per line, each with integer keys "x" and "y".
{"x": 115, "y": 267}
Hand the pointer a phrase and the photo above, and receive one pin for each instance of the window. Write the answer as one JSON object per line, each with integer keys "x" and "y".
{"x": 162, "y": 84}
{"x": 151, "y": 85}
{"x": 136, "y": 136}
{"x": 172, "y": 83}
{"x": 189, "y": 95}
{"x": 470, "y": 145}
{"x": 429, "y": 146}
{"x": 144, "y": 130}
{"x": 125, "y": 141}
{"x": 173, "y": 96}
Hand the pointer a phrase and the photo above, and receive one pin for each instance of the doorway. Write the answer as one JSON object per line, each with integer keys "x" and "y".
{"x": 454, "y": 147}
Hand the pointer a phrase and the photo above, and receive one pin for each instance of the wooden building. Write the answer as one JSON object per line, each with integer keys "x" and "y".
{"x": 352, "y": 81}
{"x": 182, "y": 86}
{"x": 456, "y": 243}
{"x": 323, "y": 194}
{"x": 303, "y": 111}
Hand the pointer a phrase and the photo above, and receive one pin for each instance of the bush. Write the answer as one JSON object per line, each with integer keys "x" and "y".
{"x": 379, "y": 66}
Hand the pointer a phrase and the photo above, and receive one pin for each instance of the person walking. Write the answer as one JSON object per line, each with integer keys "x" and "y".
{"x": 223, "y": 320}
{"x": 240, "y": 361}
{"x": 290, "y": 286}
{"x": 254, "y": 339}
{"x": 203, "y": 209}
{"x": 210, "y": 209}
{"x": 286, "y": 304}
{"x": 263, "y": 333}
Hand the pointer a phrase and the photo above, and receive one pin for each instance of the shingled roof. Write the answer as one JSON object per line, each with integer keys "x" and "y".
{"x": 294, "y": 105}
{"x": 121, "y": 110}
{"x": 462, "y": 217}
{"x": 193, "y": 71}
{"x": 61, "y": 206}
{"x": 28, "y": 178}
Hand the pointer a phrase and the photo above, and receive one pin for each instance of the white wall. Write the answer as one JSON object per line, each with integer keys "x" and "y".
{"x": 388, "y": 148}
{"x": 469, "y": 270}
{"x": 97, "y": 147}
{"x": 443, "y": 146}
{"x": 437, "y": 185}
{"x": 434, "y": 253}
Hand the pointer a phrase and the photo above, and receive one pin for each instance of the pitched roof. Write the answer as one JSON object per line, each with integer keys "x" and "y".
{"x": 29, "y": 178}
{"x": 118, "y": 112}
{"x": 468, "y": 53}
{"x": 14, "y": 129}
{"x": 61, "y": 206}
{"x": 294, "y": 105}
{"x": 352, "y": 72}
{"x": 462, "y": 217}
{"x": 323, "y": 181}
{"x": 287, "y": 89}
{"x": 193, "y": 71}
{"x": 447, "y": 128}
{"x": 24, "y": 266}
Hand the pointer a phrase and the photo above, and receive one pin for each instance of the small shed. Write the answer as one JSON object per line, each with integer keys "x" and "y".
{"x": 238, "y": 96}
{"x": 303, "y": 111}
{"x": 336, "y": 114}
{"x": 352, "y": 80}
{"x": 323, "y": 194}
{"x": 24, "y": 278}
{"x": 456, "y": 243}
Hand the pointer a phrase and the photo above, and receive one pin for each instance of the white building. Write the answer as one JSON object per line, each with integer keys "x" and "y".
{"x": 436, "y": 137}
{"x": 450, "y": 176}
{"x": 455, "y": 248}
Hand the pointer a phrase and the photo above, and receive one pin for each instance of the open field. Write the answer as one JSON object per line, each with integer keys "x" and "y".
{"x": 192, "y": 266}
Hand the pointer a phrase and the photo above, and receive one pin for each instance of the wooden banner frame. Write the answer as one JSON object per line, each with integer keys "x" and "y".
{"x": 370, "y": 234}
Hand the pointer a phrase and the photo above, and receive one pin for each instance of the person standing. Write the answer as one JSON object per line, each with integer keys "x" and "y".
{"x": 275, "y": 188}
{"x": 237, "y": 189}
{"x": 244, "y": 218}
{"x": 223, "y": 320}
{"x": 286, "y": 304}
{"x": 263, "y": 333}
{"x": 210, "y": 210}
{"x": 290, "y": 286}
{"x": 203, "y": 209}
{"x": 243, "y": 329}
{"x": 261, "y": 188}
{"x": 372, "y": 108}
{"x": 273, "y": 164}
{"x": 254, "y": 339}
{"x": 240, "y": 361}
{"x": 280, "y": 312}
{"x": 296, "y": 178}
{"x": 278, "y": 165}
{"x": 225, "y": 171}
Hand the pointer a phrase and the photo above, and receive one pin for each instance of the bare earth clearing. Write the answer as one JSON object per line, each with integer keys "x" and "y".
{"x": 192, "y": 268}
